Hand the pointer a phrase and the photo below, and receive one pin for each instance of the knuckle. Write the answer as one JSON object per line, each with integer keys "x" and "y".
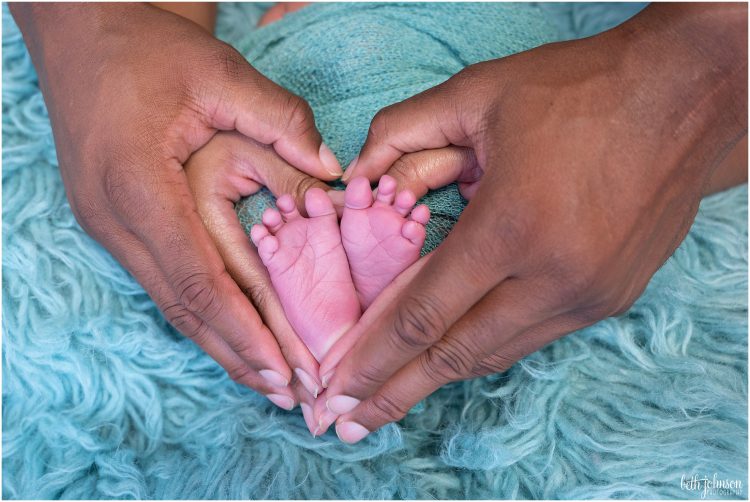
{"x": 419, "y": 322}
{"x": 300, "y": 187}
{"x": 405, "y": 168}
{"x": 496, "y": 363}
{"x": 369, "y": 377}
{"x": 239, "y": 373}
{"x": 448, "y": 362}
{"x": 198, "y": 292}
{"x": 186, "y": 323}
{"x": 260, "y": 295}
{"x": 379, "y": 125}
{"x": 384, "y": 406}
{"x": 300, "y": 118}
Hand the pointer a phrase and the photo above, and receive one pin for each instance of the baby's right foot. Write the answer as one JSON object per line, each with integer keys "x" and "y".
{"x": 308, "y": 269}
{"x": 379, "y": 240}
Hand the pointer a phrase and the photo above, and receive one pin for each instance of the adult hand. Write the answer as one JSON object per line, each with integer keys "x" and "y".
{"x": 227, "y": 168}
{"x": 590, "y": 160}
{"x": 132, "y": 91}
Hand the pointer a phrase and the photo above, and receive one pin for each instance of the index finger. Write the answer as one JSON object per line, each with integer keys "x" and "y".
{"x": 445, "y": 288}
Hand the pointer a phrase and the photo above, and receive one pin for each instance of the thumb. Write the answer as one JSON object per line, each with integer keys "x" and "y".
{"x": 441, "y": 116}
{"x": 260, "y": 109}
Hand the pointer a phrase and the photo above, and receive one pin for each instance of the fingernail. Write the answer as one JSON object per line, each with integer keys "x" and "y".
{"x": 350, "y": 170}
{"x": 342, "y": 404}
{"x": 325, "y": 420}
{"x": 281, "y": 401}
{"x": 328, "y": 159}
{"x": 274, "y": 378}
{"x": 307, "y": 413}
{"x": 351, "y": 432}
{"x": 316, "y": 432}
{"x": 307, "y": 381}
{"x": 326, "y": 379}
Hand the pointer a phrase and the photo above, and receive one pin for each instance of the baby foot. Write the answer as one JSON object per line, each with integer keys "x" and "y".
{"x": 308, "y": 269}
{"x": 379, "y": 240}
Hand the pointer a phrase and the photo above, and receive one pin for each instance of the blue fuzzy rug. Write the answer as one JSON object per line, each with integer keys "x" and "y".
{"x": 101, "y": 399}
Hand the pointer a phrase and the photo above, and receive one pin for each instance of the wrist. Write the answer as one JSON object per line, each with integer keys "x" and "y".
{"x": 687, "y": 67}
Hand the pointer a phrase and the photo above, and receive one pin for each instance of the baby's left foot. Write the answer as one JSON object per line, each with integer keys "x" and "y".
{"x": 379, "y": 240}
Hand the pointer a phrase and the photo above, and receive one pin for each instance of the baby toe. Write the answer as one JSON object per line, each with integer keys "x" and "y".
{"x": 267, "y": 248}
{"x": 272, "y": 219}
{"x": 257, "y": 233}
{"x": 421, "y": 214}
{"x": 318, "y": 203}
{"x": 414, "y": 232}
{"x": 386, "y": 190}
{"x": 405, "y": 200}
{"x": 288, "y": 208}
{"x": 358, "y": 194}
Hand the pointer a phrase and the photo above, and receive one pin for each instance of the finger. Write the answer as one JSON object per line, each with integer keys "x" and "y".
{"x": 138, "y": 261}
{"x": 497, "y": 317}
{"x": 273, "y": 14}
{"x": 436, "y": 118}
{"x": 185, "y": 253}
{"x": 432, "y": 169}
{"x": 322, "y": 415}
{"x": 245, "y": 267}
{"x": 260, "y": 109}
{"x": 454, "y": 279}
{"x": 216, "y": 206}
{"x": 368, "y": 320}
{"x": 487, "y": 340}
{"x": 251, "y": 165}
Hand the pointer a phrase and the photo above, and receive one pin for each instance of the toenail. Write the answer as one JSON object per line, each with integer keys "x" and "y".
{"x": 274, "y": 378}
{"x": 307, "y": 381}
{"x": 342, "y": 404}
{"x": 351, "y": 432}
{"x": 284, "y": 402}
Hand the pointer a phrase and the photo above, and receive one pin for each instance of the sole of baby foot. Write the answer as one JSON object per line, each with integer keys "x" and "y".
{"x": 309, "y": 270}
{"x": 382, "y": 234}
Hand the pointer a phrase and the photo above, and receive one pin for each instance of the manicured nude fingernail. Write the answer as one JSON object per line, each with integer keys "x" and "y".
{"x": 328, "y": 159}
{"x": 326, "y": 379}
{"x": 350, "y": 170}
{"x": 307, "y": 381}
{"x": 307, "y": 413}
{"x": 351, "y": 432}
{"x": 325, "y": 420}
{"x": 281, "y": 401}
{"x": 342, "y": 404}
{"x": 274, "y": 378}
{"x": 316, "y": 432}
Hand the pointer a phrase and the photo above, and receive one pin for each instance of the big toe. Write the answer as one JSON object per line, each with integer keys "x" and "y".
{"x": 358, "y": 193}
{"x": 318, "y": 203}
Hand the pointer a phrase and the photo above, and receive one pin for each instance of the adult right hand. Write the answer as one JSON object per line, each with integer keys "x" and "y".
{"x": 132, "y": 91}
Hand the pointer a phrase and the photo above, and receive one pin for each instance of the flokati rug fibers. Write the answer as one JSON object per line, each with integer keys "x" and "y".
{"x": 101, "y": 399}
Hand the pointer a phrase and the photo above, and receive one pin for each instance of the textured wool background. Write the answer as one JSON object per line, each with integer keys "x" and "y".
{"x": 101, "y": 399}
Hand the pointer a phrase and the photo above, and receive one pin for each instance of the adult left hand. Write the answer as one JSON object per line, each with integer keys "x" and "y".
{"x": 591, "y": 158}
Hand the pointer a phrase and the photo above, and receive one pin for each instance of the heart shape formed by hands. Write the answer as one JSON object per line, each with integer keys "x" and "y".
{"x": 311, "y": 278}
